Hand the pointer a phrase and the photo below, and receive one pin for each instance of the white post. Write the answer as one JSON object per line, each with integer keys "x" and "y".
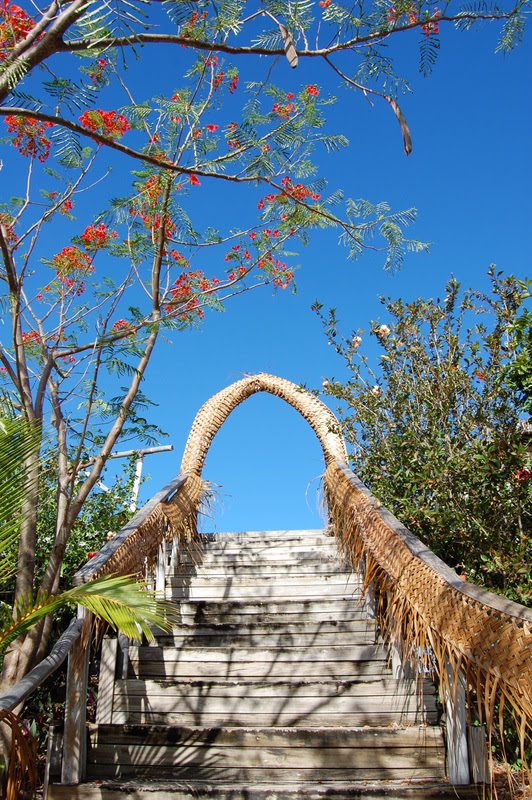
{"x": 160, "y": 570}
{"x": 136, "y": 483}
{"x": 456, "y": 723}
{"x": 74, "y": 737}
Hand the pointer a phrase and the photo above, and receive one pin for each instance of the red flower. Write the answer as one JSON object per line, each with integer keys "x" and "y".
{"x": 66, "y": 207}
{"x": 523, "y": 475}
{"x": 107, "y": 123}
{"x": 211, "y": 128}
{"x": 193, "y": 180}
{"x": 290, "y": 96}
{"x": 96, "y": 236}
{"x": 260, "y": 205}
{"x": 325, "y": 3}
{"x": 30, "y": 138}
{"x": 72, "y": 260}
{"x": 313, "y": 91}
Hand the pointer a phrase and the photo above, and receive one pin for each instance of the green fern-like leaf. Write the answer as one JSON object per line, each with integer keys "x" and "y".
{"x": 512, "y": 33}
{"x": 429, "y": 48}
{"x": 68, "y": 147}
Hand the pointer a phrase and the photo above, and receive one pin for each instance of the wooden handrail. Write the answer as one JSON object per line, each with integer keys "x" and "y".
{"x": 27, "y": 685}
{"x": 421, "y": 551}
{"x": 96, "y": 564}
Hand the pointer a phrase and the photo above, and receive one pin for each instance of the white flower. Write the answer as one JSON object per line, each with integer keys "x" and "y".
{"x": 357, "y": 341}
{"x": 383, "y": 330}
{"x": 376, "y": 390}
{"x": 325, "y": 384}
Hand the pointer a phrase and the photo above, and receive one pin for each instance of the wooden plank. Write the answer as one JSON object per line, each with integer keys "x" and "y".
{"x": 106, "y": 681}
{"x": 346, "y": 580}
{"x": 243, "y": 706}
{"x": 225, "y": 591}
{"x": 275, "y": 719}
{"x": 266, "y": 790}
{"x": 280, "y": 758}
{"x": 259, "y": 570}
{"x": 200, "y": 690}
{"x": 416, "y": 736}
{"x": 233, "y": 653}
{"x": 74, "y": 738}
{"x": 23, "y": 688}
{"x": 228, "y": 774}
{"x": 307, "y": 627}
{"x": 364, "y": 636}
{"x": 244, "y": 670}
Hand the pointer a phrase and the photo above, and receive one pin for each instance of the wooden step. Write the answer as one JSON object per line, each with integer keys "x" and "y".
{"x": 289, "y": 610}
{"x": 364, "y": 635}
{"x": 157, "y": 666}
{"x": 222, "y": 754}
{"x": 264, "y": 588}
{"x": 272, "y": 702}
{"x": 359, "y": 622}
{"x": 308, "y": 536}
{"x": 260, "y": 570}
{"x": 412, "y": 789}
{"x": 277, "y": 550}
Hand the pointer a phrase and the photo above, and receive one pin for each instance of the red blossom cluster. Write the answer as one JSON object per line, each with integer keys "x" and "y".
{"x": 14, "y": 27}
{"x": 30, "y": 138}
{"x": 107, "y": 123}
{"x": 188, "y": 27}
{"x": 283, "y": 111}
{"x": 325, "y": 3}
{"x": 312, "y": 90}
{"x": 296, "y": 191}
{"x": 31, "y": 338}
{"x": 179, "y": 258}
{"x": 96, "y": 236}
{"x": 211, "y": 128}
{"x": 432, "y": 26}
{"x": 145, "y": 206}
{"x": 97, "y": 75}
{"x": 7, "y": 223}
{"x": 184, "y": 302}
{"x": 66, "y": 207}
{"x": 120, "y": 325}
{"x": 523, "y": 475}
{"x": 279, "y": 273}
{"x": 72, "y": 261}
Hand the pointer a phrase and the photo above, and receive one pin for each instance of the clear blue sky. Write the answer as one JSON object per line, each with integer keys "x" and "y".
{"x": 469, "y": 177}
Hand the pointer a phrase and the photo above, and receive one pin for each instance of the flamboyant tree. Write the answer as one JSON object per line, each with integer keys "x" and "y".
{"x": 86, "y": 303}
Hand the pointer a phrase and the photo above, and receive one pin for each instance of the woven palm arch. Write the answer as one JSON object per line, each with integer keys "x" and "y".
{"x": 435, "y": 618}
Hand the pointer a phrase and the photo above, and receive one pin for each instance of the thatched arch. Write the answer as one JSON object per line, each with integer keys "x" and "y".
{"x": 215, "y": 411}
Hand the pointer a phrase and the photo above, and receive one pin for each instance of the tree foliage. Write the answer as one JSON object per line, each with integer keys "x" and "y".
{"x": 435, "y": 425}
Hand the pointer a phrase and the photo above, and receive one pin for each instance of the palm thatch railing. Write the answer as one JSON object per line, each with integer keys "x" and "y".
{"x": 477, "y": 644}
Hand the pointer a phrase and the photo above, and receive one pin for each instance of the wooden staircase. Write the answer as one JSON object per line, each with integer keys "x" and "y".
{"x": 274, "y": 685}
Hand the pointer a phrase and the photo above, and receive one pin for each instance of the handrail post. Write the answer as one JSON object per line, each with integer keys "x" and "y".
{"x": 74, "y": 738}
{"x": 456, "y": 725}
{"x": 160, "y": 569}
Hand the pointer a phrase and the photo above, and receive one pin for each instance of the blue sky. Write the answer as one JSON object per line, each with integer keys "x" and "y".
{"x": 468, "y": 176}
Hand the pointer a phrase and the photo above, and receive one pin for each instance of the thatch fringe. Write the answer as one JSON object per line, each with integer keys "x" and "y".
{"x": 175, "y": 518}
{"x": 20, "y": 778}
{"x": 440, "y": 623}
